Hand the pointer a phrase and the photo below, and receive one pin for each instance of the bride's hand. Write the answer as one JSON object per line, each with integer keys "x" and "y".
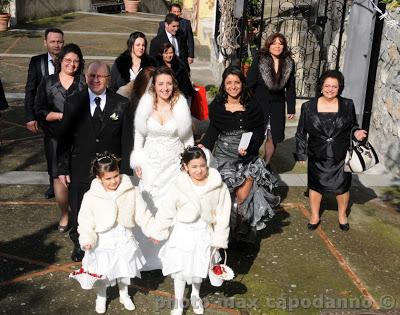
{"x": 138, "y": 172}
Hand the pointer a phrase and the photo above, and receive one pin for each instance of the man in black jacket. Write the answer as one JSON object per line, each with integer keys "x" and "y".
{"x": 185, "y": 28}
{"x": 95, "y": 120}
{"x": 171, "y": 35}
{"x": 40, "y": 66}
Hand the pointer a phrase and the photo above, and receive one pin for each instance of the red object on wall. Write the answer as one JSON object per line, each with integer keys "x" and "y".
{"x": 199, "y": 108}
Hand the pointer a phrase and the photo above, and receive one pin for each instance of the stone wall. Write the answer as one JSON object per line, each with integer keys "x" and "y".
{"x": 385, "y": 121}
{"x": 36, "y": 9}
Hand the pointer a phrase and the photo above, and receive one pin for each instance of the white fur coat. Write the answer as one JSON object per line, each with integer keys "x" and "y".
{"x": 99, "y": 212}
{"x": 181, "y": 114}
{"x": 184, "y": 205}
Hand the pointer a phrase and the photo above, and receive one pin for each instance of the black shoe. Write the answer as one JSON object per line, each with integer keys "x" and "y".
{"x": 49, "y": 193}
{"x": 344, "y": 227}
{"x": 77, "y": 253}
{"x": 313, "y": 227}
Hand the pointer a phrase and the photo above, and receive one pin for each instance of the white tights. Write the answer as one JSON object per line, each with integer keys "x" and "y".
{"x": 102, "y": 290}
{"x": 179, "y": 288}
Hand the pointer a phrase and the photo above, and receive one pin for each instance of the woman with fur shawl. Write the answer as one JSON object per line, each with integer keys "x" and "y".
{"x": 271, "y": 78}
{"x": 163, "y": 128}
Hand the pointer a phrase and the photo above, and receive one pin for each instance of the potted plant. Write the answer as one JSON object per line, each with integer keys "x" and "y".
{"x": 246, "y": 65}
{"x": 4, "y": 15}
{"x": 132, "y": 5}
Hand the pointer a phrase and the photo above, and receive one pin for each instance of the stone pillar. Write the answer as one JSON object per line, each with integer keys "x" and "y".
{"x": 357, "y": 55}
{"x": 385, "y": 120}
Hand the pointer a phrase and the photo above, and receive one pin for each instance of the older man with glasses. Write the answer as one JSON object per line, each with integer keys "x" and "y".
{"x": 96, "y": 120}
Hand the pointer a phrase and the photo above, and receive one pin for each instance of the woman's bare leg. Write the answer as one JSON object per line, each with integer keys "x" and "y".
{"x": 315, "y": 203}
{"x": 343, "y": 203}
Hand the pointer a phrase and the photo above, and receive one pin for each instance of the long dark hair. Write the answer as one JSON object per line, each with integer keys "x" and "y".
{"x": 286, "y": 53}
{"x": 270, "y": 40}
{"x": 245, "y": 95}
{"x": 140, "y": 84}
{"x": 174, "y": 62}
{"x": 131, "y": 41}
{"x": 70, "y": 48}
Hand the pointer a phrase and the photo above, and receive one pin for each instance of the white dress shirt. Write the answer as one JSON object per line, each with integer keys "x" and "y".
{"x": 50, "y": 65}
{"x": 92, "y": 103}
{"x": 174, "y": 42}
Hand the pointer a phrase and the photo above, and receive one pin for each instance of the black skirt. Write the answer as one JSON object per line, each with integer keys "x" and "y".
{"x": 328, "y": 176}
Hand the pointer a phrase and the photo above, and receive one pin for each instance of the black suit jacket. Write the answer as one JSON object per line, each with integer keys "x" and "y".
{"x": 185, "y": 27}
{"x": 81, "y": 142}
{"x": 38, "y": 68}
{"x": 319, "y": 143}
{"x": 162, "y": 38}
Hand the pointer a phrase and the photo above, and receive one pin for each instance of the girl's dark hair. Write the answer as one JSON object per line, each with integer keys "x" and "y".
{"x": 70, "y": 48}
{"x": 270, "y": 40}
{"x": 191, "y": 153}
{"x": 132, "y": 38}
{"x": 334, "y": 74}
{"x": 104, "y": 162}
{"x": 245, "y": 95}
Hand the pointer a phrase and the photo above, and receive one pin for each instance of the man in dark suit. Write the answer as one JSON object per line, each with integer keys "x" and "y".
{"x": 185, "y": 28}
{"x": 171, "y": 35}
{"x": 95, "y": 120}
{"x": 40, "y": 66}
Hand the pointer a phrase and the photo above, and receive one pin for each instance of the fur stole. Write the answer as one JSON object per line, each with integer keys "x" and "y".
{"x": 266, "y": 67}
{"x": 180, "y": 112}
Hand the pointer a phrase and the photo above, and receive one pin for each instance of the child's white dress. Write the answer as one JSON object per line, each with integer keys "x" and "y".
{"x": 116, "y": 254}
{"x": 186, "y": 254}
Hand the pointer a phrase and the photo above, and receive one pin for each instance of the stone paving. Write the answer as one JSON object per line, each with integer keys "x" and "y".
{"x": 290, "y": 271}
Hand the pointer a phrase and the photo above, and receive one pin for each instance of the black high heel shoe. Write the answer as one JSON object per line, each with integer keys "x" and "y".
{"x": 344, "y": 227}
{"x": 313, "y": 227}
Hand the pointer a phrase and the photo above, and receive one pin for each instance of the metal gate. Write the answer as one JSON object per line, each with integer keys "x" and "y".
{"x": 313, "y": 28}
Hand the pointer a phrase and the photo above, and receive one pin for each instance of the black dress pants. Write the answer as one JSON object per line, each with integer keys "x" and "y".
{"x": 76, "y": 191}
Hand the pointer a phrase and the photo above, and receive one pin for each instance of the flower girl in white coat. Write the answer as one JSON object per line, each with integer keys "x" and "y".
{"x": 198, "y": 206}
{"x": 109, "y": 211}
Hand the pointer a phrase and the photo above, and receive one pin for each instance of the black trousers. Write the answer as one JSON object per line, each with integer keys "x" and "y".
{"x": 76, "y": 191}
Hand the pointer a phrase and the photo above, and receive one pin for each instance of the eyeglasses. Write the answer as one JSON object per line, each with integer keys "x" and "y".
{"x": 97, "y": 76}
{"x": 69, "y": 61}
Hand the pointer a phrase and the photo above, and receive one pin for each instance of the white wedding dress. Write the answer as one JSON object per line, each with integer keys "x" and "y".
{"x": 161, "y": 147}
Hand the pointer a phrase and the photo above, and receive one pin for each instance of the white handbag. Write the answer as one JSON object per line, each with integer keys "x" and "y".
{"x": 360, "y": 157}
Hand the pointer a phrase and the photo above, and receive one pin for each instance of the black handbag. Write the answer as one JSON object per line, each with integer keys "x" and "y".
{"x": 360, "y": 156}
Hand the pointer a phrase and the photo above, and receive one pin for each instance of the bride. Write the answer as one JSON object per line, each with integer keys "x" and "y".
{"x": 163, "y": 128}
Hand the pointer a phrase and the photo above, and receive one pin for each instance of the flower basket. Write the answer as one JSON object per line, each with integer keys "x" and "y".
{"x": 219, "y": 273}
{"x": 85, "y": 278}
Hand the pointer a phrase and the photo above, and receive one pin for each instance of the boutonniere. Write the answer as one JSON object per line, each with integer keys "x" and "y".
{"x": 114, "y": 116}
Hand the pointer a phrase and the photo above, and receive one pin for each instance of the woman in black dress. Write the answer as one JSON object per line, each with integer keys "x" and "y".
{"x": 127, "y": 66}
{"x": 328, "y": 121}
{"x": 271, "y": 78}
{"x": 49, "y": 107}
{"x": 233, "y": 112}
{"x": 166, "y": 57}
